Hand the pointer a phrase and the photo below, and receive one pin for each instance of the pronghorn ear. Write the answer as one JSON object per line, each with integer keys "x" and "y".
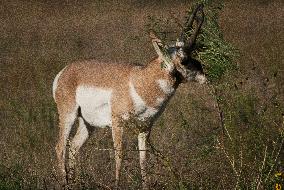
{"x": 162, "y": 52}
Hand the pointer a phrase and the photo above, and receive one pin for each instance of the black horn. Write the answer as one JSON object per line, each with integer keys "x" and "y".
{"x": 198, "y": 16}
{"x": 199, "y": 21}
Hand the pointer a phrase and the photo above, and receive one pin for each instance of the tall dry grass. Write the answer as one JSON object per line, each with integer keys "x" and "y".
{"x": 38, "y": 38}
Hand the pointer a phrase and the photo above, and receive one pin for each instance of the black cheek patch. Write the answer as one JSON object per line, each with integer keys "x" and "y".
{"x": 193, "y": 64}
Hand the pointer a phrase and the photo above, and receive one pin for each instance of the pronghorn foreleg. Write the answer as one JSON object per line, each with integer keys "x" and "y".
{"x": 142, "y": 145}
{"x": 117, "y": 133}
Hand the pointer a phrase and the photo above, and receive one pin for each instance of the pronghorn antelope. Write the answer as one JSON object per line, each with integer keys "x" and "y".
{"x": 105, "y": 94}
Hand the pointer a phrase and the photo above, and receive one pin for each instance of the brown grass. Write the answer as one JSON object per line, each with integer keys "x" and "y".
{"x": 38, "y": 38}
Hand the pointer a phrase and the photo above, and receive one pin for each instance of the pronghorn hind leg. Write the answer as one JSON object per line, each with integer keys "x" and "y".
{"x": 117, "y": 133}
{"x": 78, "y": 140}
{"x": 66, "y": 122}
{"x": 142, "y": 144}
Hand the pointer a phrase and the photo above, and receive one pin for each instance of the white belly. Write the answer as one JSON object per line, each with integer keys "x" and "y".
{"x": 95, "y": 105}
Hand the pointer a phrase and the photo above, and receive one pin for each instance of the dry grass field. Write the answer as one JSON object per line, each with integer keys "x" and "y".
{"x": 38, "y": 38}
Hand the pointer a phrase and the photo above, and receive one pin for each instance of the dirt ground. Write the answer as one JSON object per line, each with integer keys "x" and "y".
{"x": 38, "y": 38}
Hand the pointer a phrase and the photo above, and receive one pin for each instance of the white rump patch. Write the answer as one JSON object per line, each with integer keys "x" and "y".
{"x": 141, "y": 109}
{"x": 95, "y": 105}
{"x": 165, "y": 86}
{"x": 55, "y": 82}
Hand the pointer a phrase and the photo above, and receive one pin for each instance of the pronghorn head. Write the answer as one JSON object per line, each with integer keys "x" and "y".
{"x": 177, "y": 58}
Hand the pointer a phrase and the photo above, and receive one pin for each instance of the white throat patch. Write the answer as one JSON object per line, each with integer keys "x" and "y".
{"x": 55, "y": 82}
{"x": 165, "y": 86}
{"x": 139, "y": 104}
{"x": 140, "y": 108}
